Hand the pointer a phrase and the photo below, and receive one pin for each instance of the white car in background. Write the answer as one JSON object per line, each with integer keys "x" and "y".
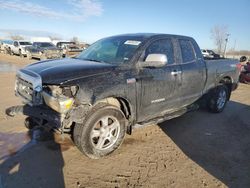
{"x": 5, "y": 46}
{"x": 19, "y": 47}
{"x": 209, "y": 54}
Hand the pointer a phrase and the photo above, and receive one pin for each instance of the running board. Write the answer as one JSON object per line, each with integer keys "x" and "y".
{"x": 172, "y": 115}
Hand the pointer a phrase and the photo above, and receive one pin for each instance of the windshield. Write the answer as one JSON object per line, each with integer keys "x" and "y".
{"x": 7, "y": 41}
{"x": 25, "y": 43}
{"x": 114, "y": 50}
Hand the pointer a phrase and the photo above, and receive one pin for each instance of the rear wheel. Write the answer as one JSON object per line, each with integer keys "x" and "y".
{"x": 102, "y": 131}
{"x": 218, "y": 99}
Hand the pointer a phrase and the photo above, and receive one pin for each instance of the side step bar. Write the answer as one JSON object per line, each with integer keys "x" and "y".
{"x": 169, "y": 116}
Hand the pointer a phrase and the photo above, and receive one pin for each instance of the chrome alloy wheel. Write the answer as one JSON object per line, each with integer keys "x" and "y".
{"x": 105, "y": 132}
{"x": 222, "y": 99}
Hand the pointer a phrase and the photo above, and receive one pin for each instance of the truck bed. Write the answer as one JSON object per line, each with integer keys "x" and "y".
{"x": 219, "y": 68}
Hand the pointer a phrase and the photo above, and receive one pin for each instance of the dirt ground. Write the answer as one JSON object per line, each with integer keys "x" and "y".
{"x": 199, "y": 149}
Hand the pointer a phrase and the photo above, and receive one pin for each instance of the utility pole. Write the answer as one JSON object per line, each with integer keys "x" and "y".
{"x": 224, "y": 54}
{"x": 234, "y": 47}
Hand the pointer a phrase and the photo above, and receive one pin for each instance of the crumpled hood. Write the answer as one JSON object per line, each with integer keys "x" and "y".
{"x": 67, "y": 69}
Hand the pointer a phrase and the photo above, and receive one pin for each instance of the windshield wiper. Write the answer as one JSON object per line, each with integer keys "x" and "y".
{"x": 94, "y": 60}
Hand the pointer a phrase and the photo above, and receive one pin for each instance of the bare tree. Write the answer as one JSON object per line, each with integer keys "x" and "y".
{"x": 75, "y": 40}
{"x": 219, "y": 34}
{"x": 16, "y": 37}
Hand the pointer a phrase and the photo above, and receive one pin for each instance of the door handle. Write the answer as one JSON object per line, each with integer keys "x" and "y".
{"x": 175, "y": 73}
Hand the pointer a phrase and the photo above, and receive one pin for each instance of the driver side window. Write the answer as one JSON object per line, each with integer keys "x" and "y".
{"x": 162, "y": 46}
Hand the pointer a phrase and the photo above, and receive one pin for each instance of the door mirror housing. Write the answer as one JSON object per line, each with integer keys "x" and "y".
{"x": 154, "y": 61}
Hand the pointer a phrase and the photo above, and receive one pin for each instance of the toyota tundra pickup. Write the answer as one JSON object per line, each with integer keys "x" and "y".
{"x": 121, "y": 82}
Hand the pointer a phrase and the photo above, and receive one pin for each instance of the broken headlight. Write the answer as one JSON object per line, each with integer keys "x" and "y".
{"x": 60, "y": 98}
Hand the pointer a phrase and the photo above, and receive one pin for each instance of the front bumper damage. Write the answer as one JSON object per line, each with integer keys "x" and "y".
{"x": 50, "y": 118}
{"x": 51, "y": 105}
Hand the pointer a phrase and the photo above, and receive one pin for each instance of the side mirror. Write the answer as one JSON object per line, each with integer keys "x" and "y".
{"x": 154, "y": 61}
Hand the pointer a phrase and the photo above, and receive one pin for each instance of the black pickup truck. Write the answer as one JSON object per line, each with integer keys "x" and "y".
{"x": 120, "y": 82}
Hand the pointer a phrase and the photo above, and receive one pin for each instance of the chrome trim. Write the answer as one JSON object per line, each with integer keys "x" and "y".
{"x": 36, "y": 81}
{"x": 174, "y": 73}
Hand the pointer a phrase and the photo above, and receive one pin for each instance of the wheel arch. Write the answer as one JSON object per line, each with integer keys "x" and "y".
{"x": 123, "y": 104}
{"x": 228, "y": 82}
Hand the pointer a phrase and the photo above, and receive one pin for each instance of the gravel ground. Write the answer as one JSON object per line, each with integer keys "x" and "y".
{"x": 199, "y": 149}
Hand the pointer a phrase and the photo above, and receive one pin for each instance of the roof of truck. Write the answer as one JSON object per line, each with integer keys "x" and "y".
{"x": 151, "y": 35}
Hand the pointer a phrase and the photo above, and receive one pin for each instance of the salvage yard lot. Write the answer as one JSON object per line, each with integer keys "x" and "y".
{"x": 199, "y": 149}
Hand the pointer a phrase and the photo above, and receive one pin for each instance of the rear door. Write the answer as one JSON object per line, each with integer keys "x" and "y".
{"x": 157, "y": 86}
{"x": 193, "y": 72}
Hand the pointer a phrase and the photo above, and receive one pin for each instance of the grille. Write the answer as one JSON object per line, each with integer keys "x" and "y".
{"x": 53, "y": 53}
{"x": 29, "y": 86}
{"x": 24, "y": 89}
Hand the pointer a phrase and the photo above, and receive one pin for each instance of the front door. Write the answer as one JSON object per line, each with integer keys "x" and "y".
{"x": 156, "y": 86}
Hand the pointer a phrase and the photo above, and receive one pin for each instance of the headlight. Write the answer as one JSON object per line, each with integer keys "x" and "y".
{"x": 60, "y": 99}
{"x": 61, "y": 105}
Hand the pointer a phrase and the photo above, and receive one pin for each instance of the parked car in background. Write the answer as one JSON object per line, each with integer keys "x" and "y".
{"x": 5, "y": 46}
{"x": 19, "y": 47}
{"x": 43, "y": 50}
{"x": 69, "y": 49}
{"x": 210, "y": 54}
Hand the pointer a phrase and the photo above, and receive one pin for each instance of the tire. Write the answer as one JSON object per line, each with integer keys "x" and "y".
{"x": 218, "y": 99}
{"x": 93, "y": 136}
{"x": 29, "y": 55}
{"x": 20, "y": 54}
{"x": 11, "y": 52}
{"x": 43, "y": 57}
{"x": 29, "y": 123}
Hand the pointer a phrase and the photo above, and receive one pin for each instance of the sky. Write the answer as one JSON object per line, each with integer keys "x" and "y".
{"x": 91, "y": 20}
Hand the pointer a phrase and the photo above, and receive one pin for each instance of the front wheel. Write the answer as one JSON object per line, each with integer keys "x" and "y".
{"x": 20, "y": 54}
{"x": 218, "y": 99}
{"x": 42, "y": 56}
{"x": 102, "y": 131}
{"x": 29, "y": 56}
{"x": 11, "y": 52}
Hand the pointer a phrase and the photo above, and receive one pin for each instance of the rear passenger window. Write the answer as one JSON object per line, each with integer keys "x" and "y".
{"x": 187, "y": 51}
{"x": 163, "y": 46}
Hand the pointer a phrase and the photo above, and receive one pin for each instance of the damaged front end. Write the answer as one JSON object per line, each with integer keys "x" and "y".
{"x": 51, "y": 104}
